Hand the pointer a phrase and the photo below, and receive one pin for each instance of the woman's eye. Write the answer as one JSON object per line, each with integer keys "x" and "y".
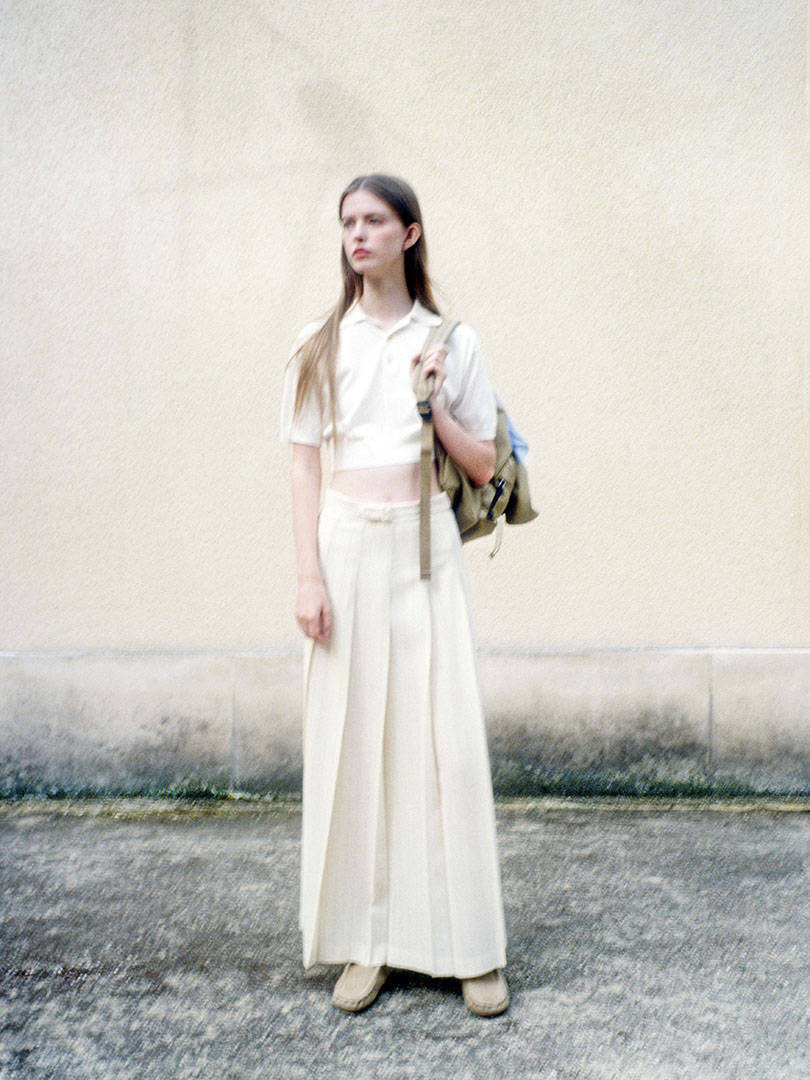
{"x": 375, "y": 220}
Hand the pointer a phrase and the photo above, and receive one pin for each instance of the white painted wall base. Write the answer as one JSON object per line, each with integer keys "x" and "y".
{"x": 642, "y": 721}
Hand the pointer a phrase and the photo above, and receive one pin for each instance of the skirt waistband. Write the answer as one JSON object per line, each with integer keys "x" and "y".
{"x": 383, "y": 511}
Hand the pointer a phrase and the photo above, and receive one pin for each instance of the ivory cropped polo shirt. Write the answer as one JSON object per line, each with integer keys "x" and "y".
{"x": 377, "y": 419}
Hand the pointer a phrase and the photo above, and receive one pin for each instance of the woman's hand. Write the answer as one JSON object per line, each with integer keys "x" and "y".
{"x": 313, "y": 610}
{"x": 476, "y": 457}
{"x": 433, "y": 364}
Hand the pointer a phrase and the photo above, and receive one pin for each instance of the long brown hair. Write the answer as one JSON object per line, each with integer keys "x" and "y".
{"x": 318, "y": 355}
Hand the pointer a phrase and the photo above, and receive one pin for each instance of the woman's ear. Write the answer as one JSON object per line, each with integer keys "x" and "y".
{"x": 412, "y": 234}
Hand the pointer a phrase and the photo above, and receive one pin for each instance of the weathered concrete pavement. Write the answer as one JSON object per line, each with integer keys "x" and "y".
{"x": 158, "y": 941}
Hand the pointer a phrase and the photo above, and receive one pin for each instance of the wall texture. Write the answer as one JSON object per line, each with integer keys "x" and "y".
{"x": 616, "y": 197}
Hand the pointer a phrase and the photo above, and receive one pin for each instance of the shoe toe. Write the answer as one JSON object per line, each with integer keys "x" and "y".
{"x": 486, "y": 995}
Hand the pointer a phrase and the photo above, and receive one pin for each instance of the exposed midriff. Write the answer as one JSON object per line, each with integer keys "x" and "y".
{"x": 383, "y": 483}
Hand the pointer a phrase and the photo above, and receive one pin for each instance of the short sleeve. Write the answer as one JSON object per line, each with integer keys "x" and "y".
{"x": 471, "y": 398}
{"x": 308, "y": 426}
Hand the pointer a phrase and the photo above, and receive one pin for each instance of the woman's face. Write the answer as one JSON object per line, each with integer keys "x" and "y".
{"x": 374, "y": 238}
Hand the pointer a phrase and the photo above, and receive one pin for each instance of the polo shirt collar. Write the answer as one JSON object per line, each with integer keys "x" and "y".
{"x": 418, "y": 313}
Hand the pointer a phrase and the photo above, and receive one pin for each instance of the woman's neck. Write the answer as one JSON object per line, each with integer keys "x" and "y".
{"x": 386, "y": 301}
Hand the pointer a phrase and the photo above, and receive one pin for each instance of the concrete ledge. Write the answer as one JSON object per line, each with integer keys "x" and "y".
{"x": 128, "y": 722}
{"x": 598, "y": 721}
{"x": 646, "y": 722}
{"x": 761, "y": 718}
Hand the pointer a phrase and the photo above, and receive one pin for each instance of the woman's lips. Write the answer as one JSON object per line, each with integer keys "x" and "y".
{"x": 360, "y": 253}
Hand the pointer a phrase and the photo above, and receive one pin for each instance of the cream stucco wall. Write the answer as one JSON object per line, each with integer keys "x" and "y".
{"x": 616, "y": 197}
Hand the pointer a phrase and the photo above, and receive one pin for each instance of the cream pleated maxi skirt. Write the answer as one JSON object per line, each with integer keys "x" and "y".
{"x": 399, "y": 856}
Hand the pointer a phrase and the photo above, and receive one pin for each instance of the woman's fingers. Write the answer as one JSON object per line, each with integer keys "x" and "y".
{"x": 435, "y": 357}
{"x": 325, "y": 627}
{"x": 434, "y": 364}
{"x": 319, "y": 627}
{"x": 314, "y": 612}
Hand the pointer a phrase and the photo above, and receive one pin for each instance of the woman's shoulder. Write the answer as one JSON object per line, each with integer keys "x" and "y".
{"x": 464, "y": 341}
{"x": 306, "y": 333}
{"x": 463, "y": 330}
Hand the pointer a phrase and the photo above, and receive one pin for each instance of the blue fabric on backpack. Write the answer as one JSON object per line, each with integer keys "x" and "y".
{"x": 520, "y": 447}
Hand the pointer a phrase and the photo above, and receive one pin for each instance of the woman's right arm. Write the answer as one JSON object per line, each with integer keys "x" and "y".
{"x": 313, "y": 610}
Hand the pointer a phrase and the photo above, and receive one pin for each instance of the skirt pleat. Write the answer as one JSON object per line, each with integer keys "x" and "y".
{"x": 399, "y": 856}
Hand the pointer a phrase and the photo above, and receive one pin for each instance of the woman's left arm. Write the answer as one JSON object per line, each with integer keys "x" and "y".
{"x": 476, "y": 457}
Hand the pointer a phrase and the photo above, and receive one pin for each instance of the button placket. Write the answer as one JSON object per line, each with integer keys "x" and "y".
{"x": 388, "y": 354}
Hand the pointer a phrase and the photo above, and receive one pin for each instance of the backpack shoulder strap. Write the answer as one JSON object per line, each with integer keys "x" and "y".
{"x": 423, "y": 387}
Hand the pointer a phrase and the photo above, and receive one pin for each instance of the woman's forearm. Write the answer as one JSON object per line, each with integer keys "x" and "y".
{"x": 306, "y": 497}
{"x": 476, "y": 457}
{"x": 312, "y": 608}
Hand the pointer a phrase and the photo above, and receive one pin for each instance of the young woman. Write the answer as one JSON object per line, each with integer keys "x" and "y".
{"x": 399, "y": 858}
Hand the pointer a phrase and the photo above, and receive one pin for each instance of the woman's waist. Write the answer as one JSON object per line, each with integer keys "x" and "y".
{"x": 383, "y": 483}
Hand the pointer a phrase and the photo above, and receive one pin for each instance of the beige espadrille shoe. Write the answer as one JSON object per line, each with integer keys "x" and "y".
{"x": 358, "y": 986}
